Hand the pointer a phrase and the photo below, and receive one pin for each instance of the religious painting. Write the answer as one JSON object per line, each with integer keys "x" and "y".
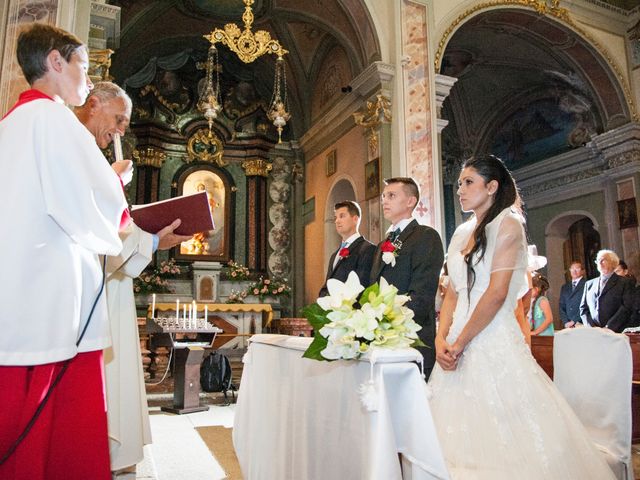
{"x": 546, "y": 128}
{"x": 372, "y": 179}
{"x": 213, "y": 245}
{"x": 627, "y": 213}
{"x": 331, "y": 163}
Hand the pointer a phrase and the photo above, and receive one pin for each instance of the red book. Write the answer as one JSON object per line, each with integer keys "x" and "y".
{"x": 192, "y": 209}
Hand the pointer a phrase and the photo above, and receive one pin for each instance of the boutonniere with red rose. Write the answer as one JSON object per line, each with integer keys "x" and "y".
{"x": 390, "y": 251}
{"x": 343, "y": 253}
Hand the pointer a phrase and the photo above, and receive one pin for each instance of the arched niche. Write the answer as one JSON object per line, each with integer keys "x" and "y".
{"x": 217, "y": 244}
{"x": 561, "y": 249}
{"x": 341, "y": 191}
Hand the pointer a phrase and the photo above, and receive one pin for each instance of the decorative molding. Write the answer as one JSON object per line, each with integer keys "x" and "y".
{"x": 257, "y": 167}
{"x": 444, "y": 84}
{"x": 206, "y": 147}
{"x": 542, "y": 7}
{"x": 624, "y": 159}
{"x": 338, "y": 119}
{"x": 149, "y": 157}
{"x": 372, "y": 116}
{"x": 99, "y": 65}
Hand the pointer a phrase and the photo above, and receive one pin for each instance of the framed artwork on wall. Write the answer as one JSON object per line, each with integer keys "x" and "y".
{"x": 627, "y": 213}
{"x": 372, "y": 179}
{"x": 331, "y": 163}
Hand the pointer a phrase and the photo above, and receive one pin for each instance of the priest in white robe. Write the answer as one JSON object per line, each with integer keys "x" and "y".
{"x": 106, "y": 115}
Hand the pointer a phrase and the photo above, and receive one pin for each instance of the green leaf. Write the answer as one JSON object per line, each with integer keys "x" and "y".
{"x": 419, "y": 343}
{"x": 364, "y": 298}
{"x": 318, "y": 345}
{"x": 316, "y": 316}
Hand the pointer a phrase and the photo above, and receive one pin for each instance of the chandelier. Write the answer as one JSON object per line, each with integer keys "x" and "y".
{"x": 248, "y": 46}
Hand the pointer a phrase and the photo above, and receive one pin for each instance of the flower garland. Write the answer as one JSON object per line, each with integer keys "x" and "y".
{"x": 156, "y": 279}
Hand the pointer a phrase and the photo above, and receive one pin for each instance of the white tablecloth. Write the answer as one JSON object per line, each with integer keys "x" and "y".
{"x": 302, "y": 419}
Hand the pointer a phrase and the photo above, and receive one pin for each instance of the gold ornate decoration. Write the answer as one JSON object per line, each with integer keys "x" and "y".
{"x": 543, "y": 7}
{"x": 99, "y": 65}
{"x": 257, "y": 167}
{"x": 248, "y": 46}
{"x": 149, "y": 157}
{"x": 206, "y": 147}
{"x": 147, "y": 89}
{"x": 374, "y": 114}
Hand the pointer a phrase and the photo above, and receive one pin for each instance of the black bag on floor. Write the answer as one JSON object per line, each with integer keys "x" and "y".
{"x": 215, "y": 374}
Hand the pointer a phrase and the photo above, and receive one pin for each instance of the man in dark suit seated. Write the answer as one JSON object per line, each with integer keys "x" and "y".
{"x": 571, "y": 296}
{"x": 413, "y": 266}
{"x": 355, "y": 252}
{"x": 607, "y": 300}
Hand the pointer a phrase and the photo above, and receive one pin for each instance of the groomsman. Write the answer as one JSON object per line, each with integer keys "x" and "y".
{"x": 571, "y": 296}
{"x": 415, "y": 261}
{"x": 355, "y": 252}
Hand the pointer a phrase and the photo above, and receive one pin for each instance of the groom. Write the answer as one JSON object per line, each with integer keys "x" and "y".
{"x": 410, "y": 259}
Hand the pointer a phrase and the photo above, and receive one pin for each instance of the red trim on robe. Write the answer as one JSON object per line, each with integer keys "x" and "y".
{"x": 28, "y": 96}
{"x": 126, "y": 216}
{"x": 69, "y": 440}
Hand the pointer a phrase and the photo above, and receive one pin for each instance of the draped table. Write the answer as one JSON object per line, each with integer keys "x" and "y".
{"x": 303, "y": 419}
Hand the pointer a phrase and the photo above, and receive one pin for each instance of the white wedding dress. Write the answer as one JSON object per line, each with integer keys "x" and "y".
{"x": 498, "y": 415}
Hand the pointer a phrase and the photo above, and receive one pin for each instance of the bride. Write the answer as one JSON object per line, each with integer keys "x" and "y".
{"x": 497, "y": 414}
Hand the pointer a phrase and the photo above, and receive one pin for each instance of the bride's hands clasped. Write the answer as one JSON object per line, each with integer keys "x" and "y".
{"x": 447, "y": 355}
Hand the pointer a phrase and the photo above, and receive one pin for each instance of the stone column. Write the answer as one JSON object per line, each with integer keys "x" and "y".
{"x": 444, "y": 84}
{"x": 257, "y": 170}
{"x": 417, "y": 119}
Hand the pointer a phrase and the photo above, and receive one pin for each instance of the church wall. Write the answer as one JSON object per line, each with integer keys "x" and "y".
{"x": 351, "y": 155}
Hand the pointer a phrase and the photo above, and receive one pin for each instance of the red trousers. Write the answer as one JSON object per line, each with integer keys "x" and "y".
{"x": 69, "y": 439}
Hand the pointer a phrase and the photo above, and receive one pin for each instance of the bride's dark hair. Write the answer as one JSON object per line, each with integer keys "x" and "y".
{"x": 490, "y": 167}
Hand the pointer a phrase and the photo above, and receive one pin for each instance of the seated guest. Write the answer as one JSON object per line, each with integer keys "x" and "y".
{"x": 355, "y": 252}
{"x": 571, "y": 296}
{"x": 540, "y": 316}
{"x": 607, "y": 300}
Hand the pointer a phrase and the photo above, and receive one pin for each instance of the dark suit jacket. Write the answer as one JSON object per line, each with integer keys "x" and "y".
{"x": 359, "y": 260}
{"x": 614, "y": 306}
{"x": 570, "y": 301}
{"x": 416, "y": 274}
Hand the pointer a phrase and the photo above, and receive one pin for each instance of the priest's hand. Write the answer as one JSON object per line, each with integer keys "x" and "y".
{"x": 124, "y": 169}
{"x": 168, "y": 239}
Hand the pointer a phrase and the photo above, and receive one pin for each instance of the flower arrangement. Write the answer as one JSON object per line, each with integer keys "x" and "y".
{"x": 236, "y": 272}
{"x": 237, "y": 296}
{"x": 390, "y": 251}
{"x": 264, "y": 287}
{"x": 155, "y": 279}
{"x": 344, "y": 331}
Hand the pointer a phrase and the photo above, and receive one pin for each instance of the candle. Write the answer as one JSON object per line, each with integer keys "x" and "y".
{"x": 184, "y": 315}
{"x": 195, "y": 314}
{"x": 117, "y": 147}
{"x": 206, "y": 314}
{"x": 177, "y": 310}
{"x": 190, "y": 315}
{"x": 153, "y": 306}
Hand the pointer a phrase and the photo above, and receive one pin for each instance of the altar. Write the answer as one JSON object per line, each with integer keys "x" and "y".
{"x": 301, "y": 418}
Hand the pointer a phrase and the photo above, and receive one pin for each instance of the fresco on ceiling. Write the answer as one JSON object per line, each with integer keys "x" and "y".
{"x": 544, "y": 129}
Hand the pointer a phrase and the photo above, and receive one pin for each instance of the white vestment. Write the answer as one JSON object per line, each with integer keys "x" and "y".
{"x": 60, "y": 204}
{"x": 127, "y": 409}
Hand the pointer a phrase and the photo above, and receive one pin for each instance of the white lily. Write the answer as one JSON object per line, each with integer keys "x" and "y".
{"x": 341, "y": 293}
{"x": 363, "y": 323}
{"x": 346, "y": 349}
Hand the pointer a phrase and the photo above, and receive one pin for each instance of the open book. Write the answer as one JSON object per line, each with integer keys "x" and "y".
{"x": 192, "y": 209}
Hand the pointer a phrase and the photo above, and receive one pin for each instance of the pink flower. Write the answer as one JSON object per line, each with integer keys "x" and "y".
{"x": 256, "y": 291}
{"x": 267, "y": 281}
